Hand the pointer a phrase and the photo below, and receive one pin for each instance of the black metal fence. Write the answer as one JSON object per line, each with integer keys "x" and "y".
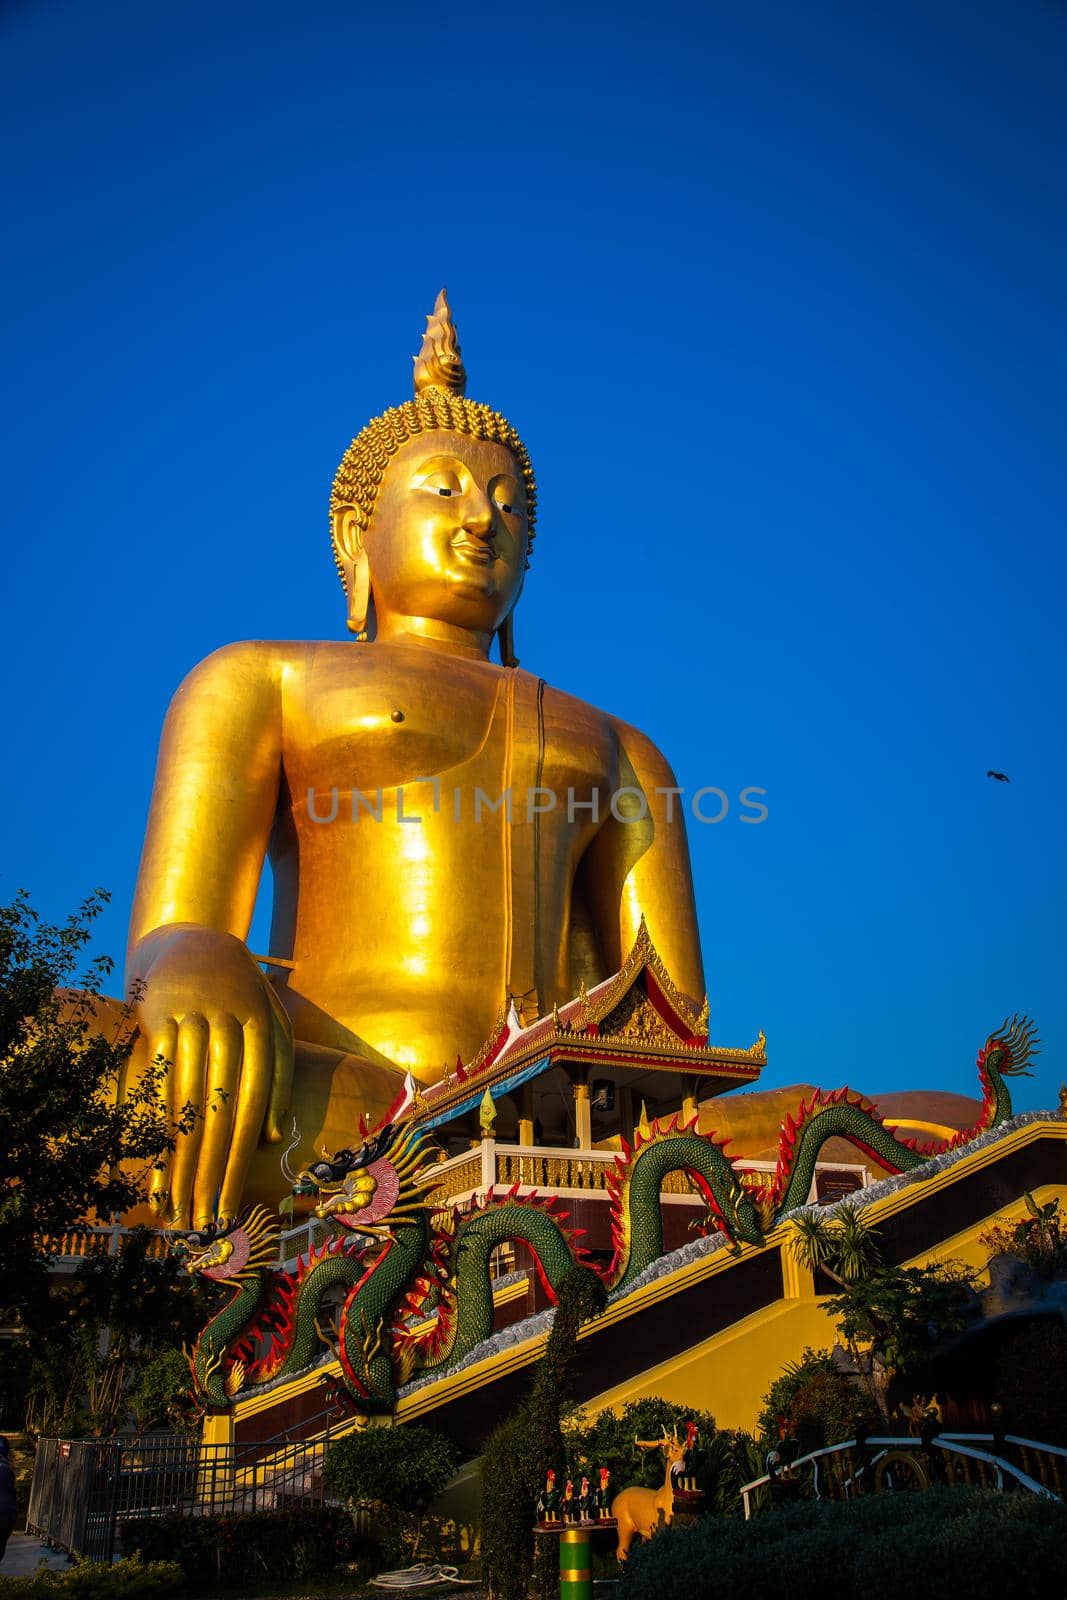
{"x": 83, "y": 1489}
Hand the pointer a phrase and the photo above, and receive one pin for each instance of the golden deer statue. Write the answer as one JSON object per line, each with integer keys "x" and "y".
{"x": 640, "y": 1512}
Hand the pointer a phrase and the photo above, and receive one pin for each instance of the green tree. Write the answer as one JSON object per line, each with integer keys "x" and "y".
{"x": 845, "y": 1247}
{"x": 520, "y": 1451}
{"x": 109, "y": 1325}
{"x": 901, "y": 1313}
{"x": 74, "y": 1151}
{"x": 890, "y": 1318}
{"x": 394, "y": 1473}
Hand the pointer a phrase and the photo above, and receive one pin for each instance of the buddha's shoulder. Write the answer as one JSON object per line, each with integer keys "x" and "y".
{"x": 268, "y": 660}
{"x": 643, "y": 754}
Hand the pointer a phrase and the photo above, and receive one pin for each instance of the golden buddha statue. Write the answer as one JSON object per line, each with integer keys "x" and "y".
{"x": 448, "y": 836}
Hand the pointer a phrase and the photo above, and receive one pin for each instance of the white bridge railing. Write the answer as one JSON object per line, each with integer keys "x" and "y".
{"x": 1042, "y": 1469}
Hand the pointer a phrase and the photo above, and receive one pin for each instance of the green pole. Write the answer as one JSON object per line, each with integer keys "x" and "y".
{"x": 575, "y": 1565}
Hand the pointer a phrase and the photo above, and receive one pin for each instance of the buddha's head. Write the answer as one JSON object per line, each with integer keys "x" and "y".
{"x": 432, "y": 509}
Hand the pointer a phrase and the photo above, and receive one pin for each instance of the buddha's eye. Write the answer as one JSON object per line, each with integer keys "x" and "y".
{"x": 442, "y": 481}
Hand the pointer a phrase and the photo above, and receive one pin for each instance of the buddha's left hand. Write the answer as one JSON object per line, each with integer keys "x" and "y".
{"x": 206, "y": 1008}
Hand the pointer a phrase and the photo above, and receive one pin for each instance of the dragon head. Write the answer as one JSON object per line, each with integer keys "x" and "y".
{"x": 233, "y": 1251}
{"x": 369, "y": 1188}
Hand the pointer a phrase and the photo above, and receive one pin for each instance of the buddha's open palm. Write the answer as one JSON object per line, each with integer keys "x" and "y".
{"x": 206, "y": 1008}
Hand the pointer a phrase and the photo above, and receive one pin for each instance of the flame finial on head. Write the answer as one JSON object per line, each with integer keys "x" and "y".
{"x": 439, "y": 364}
{"x": 1015, "y": 1041}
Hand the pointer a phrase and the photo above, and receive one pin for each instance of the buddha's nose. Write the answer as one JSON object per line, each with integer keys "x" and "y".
{"x": 478, "y": 514}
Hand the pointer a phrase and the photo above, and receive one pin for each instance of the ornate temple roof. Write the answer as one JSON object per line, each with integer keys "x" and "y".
{"x": 637, "y": 1019}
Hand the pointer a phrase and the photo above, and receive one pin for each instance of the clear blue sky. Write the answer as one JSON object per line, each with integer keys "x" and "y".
{"x": 775, "y": 293}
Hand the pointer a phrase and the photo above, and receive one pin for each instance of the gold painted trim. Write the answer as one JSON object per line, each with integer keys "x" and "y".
{"x": 729, "y": 1345}
{"x": 1013, "y": 1211}
{"x": 974, "y": 1161}
{"x": 912, "y": 1125}
{"x": 253, "y": 1404}
{"x": 736, "y": 1066}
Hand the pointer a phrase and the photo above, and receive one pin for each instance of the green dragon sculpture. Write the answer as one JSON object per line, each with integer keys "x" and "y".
{"x": 414, "y": 1276}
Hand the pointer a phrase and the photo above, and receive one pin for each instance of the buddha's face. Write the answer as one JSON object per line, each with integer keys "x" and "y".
{"x": 448, "y": 536}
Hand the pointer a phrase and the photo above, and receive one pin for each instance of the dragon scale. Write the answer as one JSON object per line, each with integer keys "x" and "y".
{"x": 208, "y": 1360}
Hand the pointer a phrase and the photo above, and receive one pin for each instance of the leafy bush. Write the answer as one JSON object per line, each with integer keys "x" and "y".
{"x": 21, "y": 1458}
{"x": 160, "y": 1397}
{"x": 818, "y": 1404}
{"x": 721, "y": 1461}
{"x": 1040, "y": 1238}
{"x": 274, "y": 1544}
{"x": 946, "y": 1541}
{"x": 732, "y": 1458}
{"x": 126, "y": 1580}
{"x": 395, "y": 1473}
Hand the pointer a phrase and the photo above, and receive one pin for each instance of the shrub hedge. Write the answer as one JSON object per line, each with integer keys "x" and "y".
{"x": 943, "y": 1542}
{"x": 126, "y": 1580}
{"x": 394, "y": 1473}
{"x": 818, "y": 1404}
{"x": 273, "y": 1545}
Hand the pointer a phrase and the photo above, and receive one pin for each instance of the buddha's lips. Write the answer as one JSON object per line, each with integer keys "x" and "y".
{"x": 474, "y": 550}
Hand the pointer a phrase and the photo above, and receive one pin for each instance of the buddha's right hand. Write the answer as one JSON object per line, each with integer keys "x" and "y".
{"x": 205, "y": 1007}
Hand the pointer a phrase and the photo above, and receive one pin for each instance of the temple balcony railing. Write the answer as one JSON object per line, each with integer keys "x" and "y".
{"x": 578, "y": 1174}
{"x": 546, "y": 1169}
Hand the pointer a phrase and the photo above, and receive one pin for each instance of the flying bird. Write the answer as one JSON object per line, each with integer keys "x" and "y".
{"x": 1001, "y": 777}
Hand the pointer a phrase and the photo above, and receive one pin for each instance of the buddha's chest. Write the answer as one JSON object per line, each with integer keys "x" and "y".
{"x": 377, "y": 719}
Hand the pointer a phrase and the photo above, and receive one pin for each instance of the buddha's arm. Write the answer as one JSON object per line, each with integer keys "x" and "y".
{"x": 206, "y": 1007}
{"x": 214, "y": 798}
{"x": 640, "y": 867}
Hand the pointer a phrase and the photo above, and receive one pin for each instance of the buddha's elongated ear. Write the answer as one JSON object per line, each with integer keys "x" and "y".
{"x": 355, "y": 570}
